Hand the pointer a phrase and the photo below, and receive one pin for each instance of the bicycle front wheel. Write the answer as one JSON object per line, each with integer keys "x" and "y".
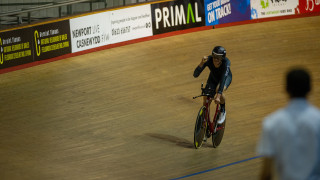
{"x": 200, "y": 128}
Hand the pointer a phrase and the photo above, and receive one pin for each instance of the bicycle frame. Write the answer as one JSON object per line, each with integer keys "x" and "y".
{"x": 212, "y": 125}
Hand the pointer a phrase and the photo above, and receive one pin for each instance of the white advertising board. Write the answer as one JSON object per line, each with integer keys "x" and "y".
{"x": 272, "y": 8}
{"x": 130, "y": 23}
{"x": 89, "y": 32}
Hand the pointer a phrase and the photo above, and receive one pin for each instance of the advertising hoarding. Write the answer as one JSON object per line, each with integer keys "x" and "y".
{"x": 130, "y": 23}
{"x": 272, "y": 8}
{"x": 51, "y": 40}
{"x": 177, "y": 15}
{"x": 89, "y": 32}
{"x": 307, "y": 6}
{"x": 16, "y": 47}
{"x": 226, "y": 11}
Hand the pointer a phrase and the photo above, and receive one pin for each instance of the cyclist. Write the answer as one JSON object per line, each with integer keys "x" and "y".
{"x": 220, "y": 76}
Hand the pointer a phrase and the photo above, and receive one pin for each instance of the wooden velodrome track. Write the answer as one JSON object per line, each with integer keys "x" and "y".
{"x": 128, "y": 112}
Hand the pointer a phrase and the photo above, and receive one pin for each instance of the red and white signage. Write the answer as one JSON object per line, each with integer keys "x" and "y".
{"x": 307, "y": 6}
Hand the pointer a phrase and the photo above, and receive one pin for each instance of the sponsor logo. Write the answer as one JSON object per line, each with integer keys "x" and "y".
{"x": 177, "y": 15}
{"x": 264, "y": 4}
{"x": 276, "y": 3}
{"x": 84, "y": 39}
{"x": 254, "y": 13}
{"x": 37, "y": 42}
{"x": 270, "y": 8}
{"x": 310, "y": 4}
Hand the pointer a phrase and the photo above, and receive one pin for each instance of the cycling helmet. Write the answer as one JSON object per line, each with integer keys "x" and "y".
{"x": 219, "y": 51}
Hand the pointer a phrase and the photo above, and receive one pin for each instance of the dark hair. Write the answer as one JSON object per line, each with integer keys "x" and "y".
{"x": 298, "y": 82}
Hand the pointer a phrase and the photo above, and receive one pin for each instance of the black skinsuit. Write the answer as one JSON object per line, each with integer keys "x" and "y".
{"x": 220, "y": 75}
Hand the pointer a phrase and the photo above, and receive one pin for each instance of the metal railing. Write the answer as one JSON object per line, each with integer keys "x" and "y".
{"x": 24, "y": 15}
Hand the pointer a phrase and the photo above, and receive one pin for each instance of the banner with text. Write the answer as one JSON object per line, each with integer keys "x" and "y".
{"x": 16, "y": 47}
{"x": 51, "y": 40}
{"x": 272, "y": 8}
{"x": 177, "y": 15}
{"x": 226, "y": 11}
{"x": 89, "y": 32}
{"x": 307, "y": 6}
{"x": 130, "y": 23}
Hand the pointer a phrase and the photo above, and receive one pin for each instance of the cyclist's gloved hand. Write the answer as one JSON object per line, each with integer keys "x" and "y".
{"x": 203, "y": 60}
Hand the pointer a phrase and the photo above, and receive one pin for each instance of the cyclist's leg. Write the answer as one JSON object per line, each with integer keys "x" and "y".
{"x": 209, "y": 85}
{"x": 223, "y": 96}
{"x": 223, "y": 99}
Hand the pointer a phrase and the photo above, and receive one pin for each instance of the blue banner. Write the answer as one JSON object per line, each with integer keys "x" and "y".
{"x": 226, "y": 11}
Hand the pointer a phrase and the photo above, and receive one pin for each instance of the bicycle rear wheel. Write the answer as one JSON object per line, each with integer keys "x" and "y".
{"x": 200, "y": 128}
{"x": 217, "y": 137}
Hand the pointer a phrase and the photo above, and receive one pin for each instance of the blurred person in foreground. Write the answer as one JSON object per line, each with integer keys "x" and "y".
{"x": 290, "y": 139}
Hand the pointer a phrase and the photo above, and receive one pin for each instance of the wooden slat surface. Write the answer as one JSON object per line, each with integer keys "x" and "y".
{"x": 128, "y": 113}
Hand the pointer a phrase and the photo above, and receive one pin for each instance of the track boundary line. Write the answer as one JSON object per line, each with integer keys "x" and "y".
{"x": 220, "y": 167}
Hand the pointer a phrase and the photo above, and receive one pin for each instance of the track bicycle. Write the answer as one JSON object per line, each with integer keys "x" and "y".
{"x": 204, "y": 128}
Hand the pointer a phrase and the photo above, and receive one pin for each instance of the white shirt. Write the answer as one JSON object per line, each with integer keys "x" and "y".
{"x": 291, "y": 136}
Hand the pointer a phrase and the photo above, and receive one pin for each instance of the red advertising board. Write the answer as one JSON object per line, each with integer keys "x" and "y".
{"x": 308, "y": 6}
